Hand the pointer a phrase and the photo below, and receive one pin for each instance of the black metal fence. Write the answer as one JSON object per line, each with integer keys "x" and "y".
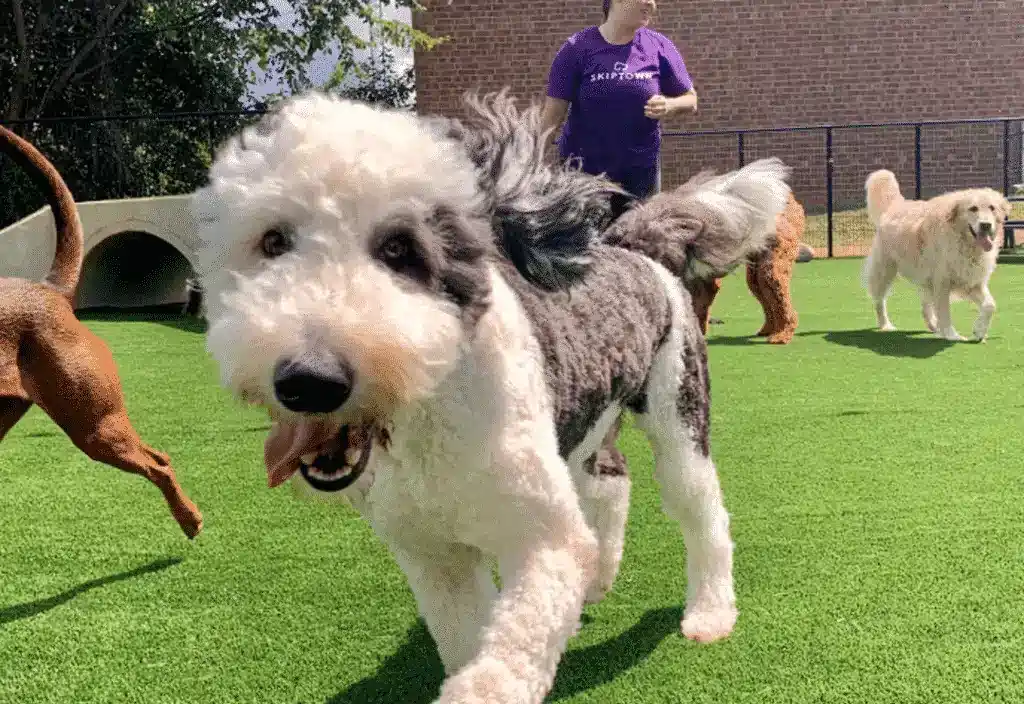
{"x": 831, "y": 162}
{"x": 127, "y": 156}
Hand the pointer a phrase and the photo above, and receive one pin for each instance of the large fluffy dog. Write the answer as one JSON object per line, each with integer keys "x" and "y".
{"x": 768, "y": 277}
{"x": 49, "y": 358}
{"x": 946, "y": 246}
{"x": 422, "y": 307}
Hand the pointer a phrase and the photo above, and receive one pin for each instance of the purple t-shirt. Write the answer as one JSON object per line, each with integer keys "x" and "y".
{"x": 607, "y": 86}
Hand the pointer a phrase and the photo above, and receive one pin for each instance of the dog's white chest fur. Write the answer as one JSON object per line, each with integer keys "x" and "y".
{"x": 438, "y": 482}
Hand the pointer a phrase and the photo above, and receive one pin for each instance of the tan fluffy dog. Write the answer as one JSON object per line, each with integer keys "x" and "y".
{"x": 946, "y": 246}
{"x": 768, "y": 278}
{"x": 49, "y": 358}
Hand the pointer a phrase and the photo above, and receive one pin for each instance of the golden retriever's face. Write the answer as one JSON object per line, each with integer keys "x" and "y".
{"x": 981, "y": 212}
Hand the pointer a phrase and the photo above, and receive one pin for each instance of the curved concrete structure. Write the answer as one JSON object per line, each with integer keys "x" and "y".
{"x": 138, "y": 251}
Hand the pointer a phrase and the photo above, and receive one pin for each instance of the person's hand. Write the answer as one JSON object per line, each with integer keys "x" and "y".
{"x": 657, "y": 107}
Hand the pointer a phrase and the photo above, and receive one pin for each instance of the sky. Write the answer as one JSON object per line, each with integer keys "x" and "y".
{"x": 321, "y": 67}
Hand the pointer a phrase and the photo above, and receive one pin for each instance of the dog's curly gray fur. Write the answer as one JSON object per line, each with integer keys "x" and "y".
{"x": 597, "y": 307}
{"x": 545, "y": 218}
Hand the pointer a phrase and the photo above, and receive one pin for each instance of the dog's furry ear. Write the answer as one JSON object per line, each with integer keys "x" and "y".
{"x": 546, "y": 217}
{"x": 1007, "y": 208}
{"x": 253, "y": 134}
{"x": 953, "y": 212}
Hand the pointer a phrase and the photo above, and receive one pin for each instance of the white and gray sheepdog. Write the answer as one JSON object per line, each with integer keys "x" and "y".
{"x": 428, "y": 312}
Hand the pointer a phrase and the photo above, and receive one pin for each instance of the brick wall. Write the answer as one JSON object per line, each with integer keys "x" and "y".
{"x": 762, "y": 63}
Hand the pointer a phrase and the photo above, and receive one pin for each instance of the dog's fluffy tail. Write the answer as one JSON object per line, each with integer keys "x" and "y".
{"x": 545, "y": 216}
{"x": 882, "y": 190}
{"x": 67, "y": 260}
{"x": 709, "y": 225}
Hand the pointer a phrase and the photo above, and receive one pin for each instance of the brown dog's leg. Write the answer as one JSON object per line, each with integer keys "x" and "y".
{"x": 116, "y": 443}
{"x": 11, "y": 411}
{"x": 776, "y": 290}
{"x": 72, "y": 376}
{"x": 754, "y": 284}
{"x": 703, "y": 294}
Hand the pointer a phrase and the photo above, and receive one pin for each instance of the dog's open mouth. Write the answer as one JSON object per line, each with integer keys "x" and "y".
{"x": 336, "y": 467}
{"x": 329, "y": 457}
{"x": 985, "y": 240}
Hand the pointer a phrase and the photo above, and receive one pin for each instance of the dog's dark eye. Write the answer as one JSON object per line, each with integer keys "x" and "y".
{"x": 973, "y": 208}
{"x": 992, "y": 208}
{"x": 275, "y": 242}
{"x": 399, "y": 252}
{"x": 395, "y": 249}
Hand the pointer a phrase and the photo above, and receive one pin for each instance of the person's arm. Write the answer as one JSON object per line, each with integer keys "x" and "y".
{"x": 676, "y": 84}
{"x": 687, "y": 102}
{"x": 563, "y": 84}
{"x": 553, "y": 114}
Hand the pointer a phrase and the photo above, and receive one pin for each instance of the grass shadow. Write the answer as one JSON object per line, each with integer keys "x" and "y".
{"x": 595, "y": 665}
{"x": 736, "y": 340}
{"x": 413, "y": 673}
{"x": 898, "y": 343}
{"x": 170, "y": 316}
{"x": 34, "y": 608}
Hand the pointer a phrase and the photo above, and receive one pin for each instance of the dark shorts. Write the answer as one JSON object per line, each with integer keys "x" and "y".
{"x": 641, "y": 182}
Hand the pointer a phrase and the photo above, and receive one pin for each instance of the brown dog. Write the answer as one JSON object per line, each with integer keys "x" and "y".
{"x": 768, "y": 277}
{"x": 49, "y": 358}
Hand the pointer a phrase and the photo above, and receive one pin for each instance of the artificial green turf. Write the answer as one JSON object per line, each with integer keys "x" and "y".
{"x": 875, "y": 483}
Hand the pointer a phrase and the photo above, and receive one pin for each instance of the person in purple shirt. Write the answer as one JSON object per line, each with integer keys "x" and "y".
{"x": 615, "y": 82}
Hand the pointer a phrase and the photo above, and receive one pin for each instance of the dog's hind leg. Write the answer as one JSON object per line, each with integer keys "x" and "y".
{"x": 928, "y": 309}
{"x": 754, "y": 286}
{"x": 73, "y": 378}
{"x": 454, "y": 591}
{"x": 115, "y": 442}
{"x": 605, "y": 498}
{"x": 11, "y": 411}
{"x": 879, "y": 275}
{"x": 676, "y": 422}
{"x": 768, "y": 280}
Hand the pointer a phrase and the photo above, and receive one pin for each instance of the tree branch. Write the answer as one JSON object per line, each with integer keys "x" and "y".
{"x": 59, "y": 84}
{"x": 22, "y": 71}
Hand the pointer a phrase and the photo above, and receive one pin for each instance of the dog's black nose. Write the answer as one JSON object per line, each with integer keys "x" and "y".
{"x": 985, "y": 228}
{"x": 312, "y": 384}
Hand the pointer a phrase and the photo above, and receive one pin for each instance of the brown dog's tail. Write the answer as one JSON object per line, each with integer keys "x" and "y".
{"x": 882, "y": 190}
{"x": 67, "y": 260}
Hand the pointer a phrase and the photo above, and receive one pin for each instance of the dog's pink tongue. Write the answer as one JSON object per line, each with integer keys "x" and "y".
{"x": 985, "y": 242}
{"x": 288, "y": 442}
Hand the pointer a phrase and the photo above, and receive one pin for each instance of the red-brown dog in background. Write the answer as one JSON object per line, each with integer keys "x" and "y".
{"x": 49, "y": 358}
{"x": 768, "y": 277}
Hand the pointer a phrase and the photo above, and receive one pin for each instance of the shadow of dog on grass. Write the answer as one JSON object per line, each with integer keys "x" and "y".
{"x": 913, "y": 344}
{"x": 413, "y": 673}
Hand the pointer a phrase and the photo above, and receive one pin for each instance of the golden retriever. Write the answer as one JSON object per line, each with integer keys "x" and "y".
{"x": 946, "y": 246}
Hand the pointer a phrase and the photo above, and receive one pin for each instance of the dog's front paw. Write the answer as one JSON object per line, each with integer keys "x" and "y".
{"x": 980, "y": 332}
{"x": 706, "y": 624}
{"x": 484, "y": 681}
{"x": 887, "y": 327}
{"x": 951, "y": 335}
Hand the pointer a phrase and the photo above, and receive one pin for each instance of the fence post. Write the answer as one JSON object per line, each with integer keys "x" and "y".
{"x": 917, "y": 161}
{"x": 739, "y": 148}
{"x": 1006, "y": 157}
{"x": 828, "y": 186}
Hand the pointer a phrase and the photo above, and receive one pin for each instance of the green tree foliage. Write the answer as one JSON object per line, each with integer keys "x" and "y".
{"x": 66, "y": 58}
